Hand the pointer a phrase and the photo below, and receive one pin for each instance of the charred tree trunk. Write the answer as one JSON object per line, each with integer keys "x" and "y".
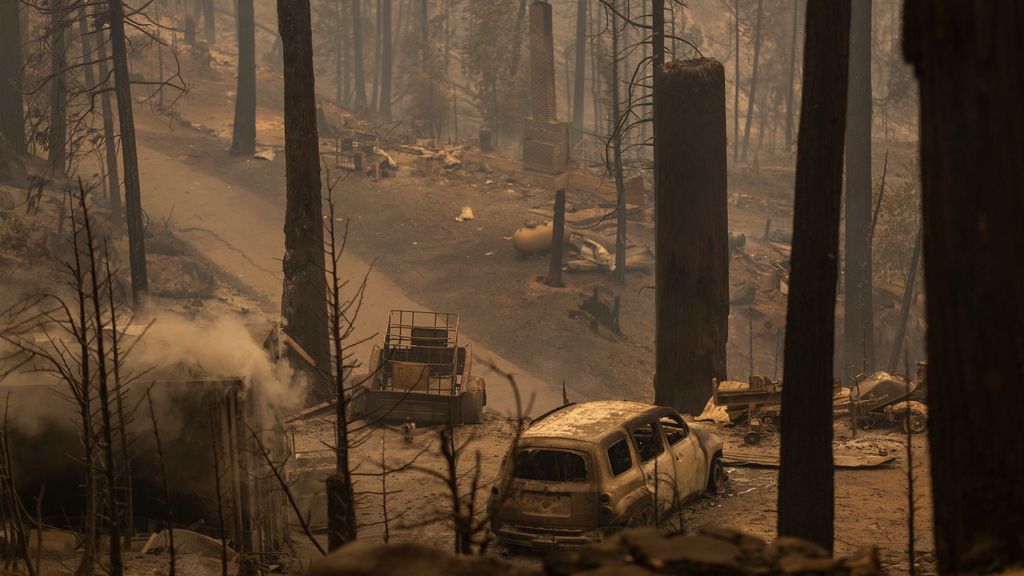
{"x": 967, "y": 60}
{"x": 57, "y": 157}
{"x": 304, "y": 299}
{"x": 357, "y": 55}
{"x": 517, "y": 42}
{"x": 736, "y": 83}
{"x": 806, "y": 489}
{"x": 858, "y": 322}
{"x": 113, "y": 175}
{"x": 691, "y": 229}
{"x": 616, "y": 144}
{"x": 209, "y": 22}
{"x": 580, "y": 71}
{"x": 386, "y": 56}
{"x": 243, "y": 137}
{"x": 130, "y": 157}
{"x": 554, "y": 277}
{"x": 790, "y": 88}
{"x": 12, "y": 107}
{"x": 752, "y": 94}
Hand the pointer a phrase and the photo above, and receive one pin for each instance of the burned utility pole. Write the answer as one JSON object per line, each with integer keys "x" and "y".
{"x": 692, "y": 237}
{"x": 304, "y": 298}
{"x": 806, "y": 489}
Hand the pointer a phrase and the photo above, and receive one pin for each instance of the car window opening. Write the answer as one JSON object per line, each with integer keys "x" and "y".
{"x": 550, "y": 466}
{"x": 619, "y": 457}
{"x": 674, "y": 430}
{"x": 648, "y": 442}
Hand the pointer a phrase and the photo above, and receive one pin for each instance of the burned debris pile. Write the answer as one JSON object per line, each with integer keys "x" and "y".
{"x": 633, "y": 552}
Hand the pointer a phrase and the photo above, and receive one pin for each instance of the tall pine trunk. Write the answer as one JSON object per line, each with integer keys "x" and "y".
{"x": 243, "y": 137}
{"x": 386, "y": 56}
{"x": 858, "y": 322}
{"x": 966, "y": 56}
{"x": 580, "y": 71}
{"x": 620, "y": 189}
{"x": 113, "y": 175}
{"x": 304, "y": 298}
{"x": 790, "y": 87}
{"x": 129, "y": 155}
{"x": 806, "y": 490}
{"x": 209, "y": 22}
{"x": 736, "y": 82}
{"x": 691, "y": 233}
{"x": 752, "y": 94}
{"x": 57, "y": 157}
{"x": 357, "y": 55}
{"x": 12, "y": 107}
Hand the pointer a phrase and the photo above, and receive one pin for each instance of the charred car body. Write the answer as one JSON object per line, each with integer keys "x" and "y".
{"x": 586, "y": 469}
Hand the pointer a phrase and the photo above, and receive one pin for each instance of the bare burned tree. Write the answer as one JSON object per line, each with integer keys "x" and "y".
{"x": 965, "y": 57}
{"x": 805, "y": 505}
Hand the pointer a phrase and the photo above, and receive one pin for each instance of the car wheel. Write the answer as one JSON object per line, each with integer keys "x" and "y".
{"x": 915, "y": 422}
{"x": 716, "y": 476}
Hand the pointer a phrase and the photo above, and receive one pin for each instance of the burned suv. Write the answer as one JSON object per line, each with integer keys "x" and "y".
{"x": 583, "y": 470}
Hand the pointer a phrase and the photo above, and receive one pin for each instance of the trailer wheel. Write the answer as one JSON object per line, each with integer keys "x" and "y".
{"x": 914, "y": 422}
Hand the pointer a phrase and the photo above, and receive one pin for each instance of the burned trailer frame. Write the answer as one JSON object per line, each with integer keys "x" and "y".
{"x": 420, "y": 374}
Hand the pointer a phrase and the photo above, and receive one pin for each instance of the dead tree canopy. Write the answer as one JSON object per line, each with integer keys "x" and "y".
{"x": 966, "y": 56}
{"x": 692, "y": 234}
{"x": 806, "y": 488}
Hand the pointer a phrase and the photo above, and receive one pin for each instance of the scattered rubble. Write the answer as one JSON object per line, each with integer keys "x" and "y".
{"x": 633, "y": 552}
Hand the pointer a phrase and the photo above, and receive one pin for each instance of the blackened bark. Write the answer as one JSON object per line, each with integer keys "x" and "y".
{"x": 616, "y": 145}
{"x": 692, "y": 254}
{"x": 12, "y": 107}
{"x": 243, "y": 137}
{"x": 806, "y": 489}
{"x": 304, "y": 299}
{"x": 57, "y": 156}
{"x": 966, "y": 56}
{"x": 130, "y": 157}
{"x": 858, "y": 338}
{"x": 752, "y": 94}
{"x": 386, "y": 60}
{"x": 357, "y": 55}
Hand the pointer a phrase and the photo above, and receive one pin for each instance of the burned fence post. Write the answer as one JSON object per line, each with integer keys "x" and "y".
{"x": 691, "y": 237}
{"x": 554, "y": 277}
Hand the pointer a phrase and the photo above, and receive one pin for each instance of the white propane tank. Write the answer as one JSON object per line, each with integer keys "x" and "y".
{"x": 533, "y": 239}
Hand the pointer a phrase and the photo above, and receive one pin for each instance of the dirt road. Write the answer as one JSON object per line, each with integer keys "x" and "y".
{"x": 242, "y": 231}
